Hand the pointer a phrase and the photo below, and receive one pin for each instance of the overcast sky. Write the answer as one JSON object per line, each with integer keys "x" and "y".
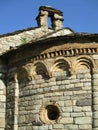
{"x": 79, "y": 15}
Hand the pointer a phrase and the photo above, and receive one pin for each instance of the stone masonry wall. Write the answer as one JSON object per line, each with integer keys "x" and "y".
{"x": 10, "y": 106}
{"x": 3, "y": 71}
{"x": 2, "y": 104}
{"x": 72, "y": 95}
{"x": 60, "y": 102}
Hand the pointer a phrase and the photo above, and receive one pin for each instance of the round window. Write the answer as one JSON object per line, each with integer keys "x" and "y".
{"x": 50, "y": 113}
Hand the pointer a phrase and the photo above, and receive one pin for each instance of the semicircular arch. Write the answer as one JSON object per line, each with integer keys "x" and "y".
{"x": 61, "y": 65}
{"x": 39, "y": 68}
{"x": 83, "y": 64}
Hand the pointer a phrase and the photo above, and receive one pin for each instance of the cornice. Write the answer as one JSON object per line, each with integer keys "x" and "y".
{"x": 63, "y": 52}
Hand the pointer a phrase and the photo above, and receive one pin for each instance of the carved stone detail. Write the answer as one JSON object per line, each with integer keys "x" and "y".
{"x": 83, "y": 64}
{"x": 50, "y": 113}
{"x": 60, "y": 65}
{"x": 24, "y": 72}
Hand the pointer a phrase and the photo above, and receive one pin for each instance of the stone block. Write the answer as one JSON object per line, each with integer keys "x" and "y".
{"x": 87, "y": 108}
{"x": 32, "y": 92}
{"x": 54, "y": 99}
{"x": 95, "y": 94}
{"x": 54, "y": 88}
{"x": 62, "y": 87}
{"x": 58, "y": 126}
{"x": 16, "y": 92}
{"x": 34, "y": 128}
{"x": 81, "y": 96}
{"x": 62, "y": 77}
{"x": 40, "y": 96}
{"x": 2, "y": 105}
{"x": 48, "y": 94}
{"x": 87, "y": 76}
{"x": 85, "y": 127}
{"x": 67, "y": 109}
{"x": 95, "y": 107}
{"x": 84, "y": 102}
{"x": 44, "y": 85}
{"x": 66, "y": 120}
{"x": 95, "y": 128}
{"x": 62, "y": 98}
{"x": 71, "y": 127}
{"x": 88, "y": 113}
{"x": 95, "y": 122}
{"x": 95, "y": 56}
{"x": 77, "y": 114}
{"x": 79, "y": 84}
{"x": 95, "y": 82}
{"x": 44, "y": 127}
{"x": 87, "y": 84}
{"x": 73, "y": 81}
{"x": 26, "y": 93}
{"x": 77, "y": 109}
{"x": 95, "y": 114}
{"x": 28, "y": 128}
{"x": 79, "y": 92}
{"x": 21, "y": 119}
{"x": 95, "y": 76}
{"x": 70, "y": 86}
{"x": 1, "y": 128}
{"x": 95, "y": 100}
{"x": 67, "y": 103}
{"x": 36, "y": 86}
{"x": 40, "y": 90}
{"x": 65, "y": 82}
{"x": 87, "y": 88}
{"x": 47, "y": 89}
{"x": 2, "y": 98}
{"x": 68, "y": 93}
{"x": 59, "y": 82}
{"x": 2, "y": 122}
{"x": 83, "y": 120}
{"x": 58, "y": 93}
{"x": 52, "y": 83}
{"x": 1, "y": 92}
{"x": 95, "y": 88}
{"x": 22, "y": 128}
{"x": 65, "y": 114}
{"x": 2, "y": 110}
{"x": 85, "y": 80}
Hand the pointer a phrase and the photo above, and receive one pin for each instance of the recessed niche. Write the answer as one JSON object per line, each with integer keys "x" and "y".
{"x": 61, "y": 68}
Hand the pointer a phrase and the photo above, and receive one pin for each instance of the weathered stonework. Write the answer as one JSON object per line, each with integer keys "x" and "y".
{"x": 50, "y": 81}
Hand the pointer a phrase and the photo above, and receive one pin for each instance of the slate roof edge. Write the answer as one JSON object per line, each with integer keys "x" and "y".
{"x": 69, "y": 38}
{"x": 17, "y": 32}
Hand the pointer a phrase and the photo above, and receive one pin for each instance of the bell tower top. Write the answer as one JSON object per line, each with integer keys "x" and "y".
{"x": 54, "y": 14}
